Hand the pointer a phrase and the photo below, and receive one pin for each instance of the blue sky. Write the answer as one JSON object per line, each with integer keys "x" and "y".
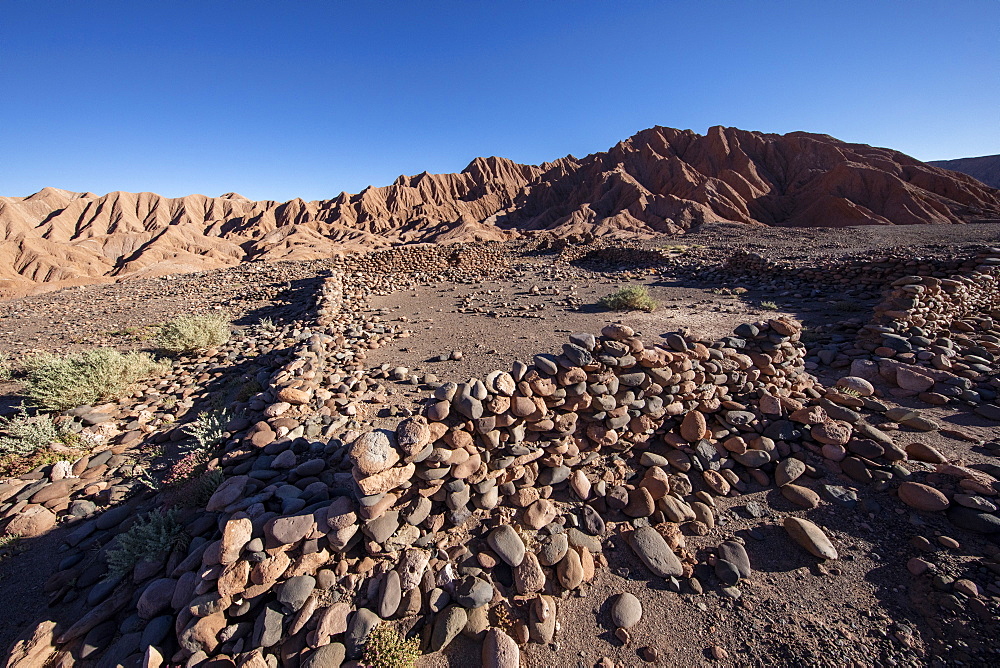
{"x": 282, "y": 99}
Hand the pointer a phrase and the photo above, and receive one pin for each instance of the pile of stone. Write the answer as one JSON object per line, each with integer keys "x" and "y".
{"x": 939, "y": 338}
{"x": 488, "y": 258}
{"x": 478, "y": 515}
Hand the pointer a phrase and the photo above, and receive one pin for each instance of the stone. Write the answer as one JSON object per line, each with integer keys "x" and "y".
{"x": 734, "y": 553}
{"x": 693, "y": 426}
{"x": 289, "y": 530}
{"x": 373, "y": 452}
{"x": 529, "y": 576}
{"x": 358, "y": 628}
{"x": 540, "y": 513}
{"x": 327, "y": 656}
{"x": 800, "y": 496}
{"x": 155, "y": 598}
{"x": 500, "y": 650}
{"x": 626, "y": 611}
{"x": 31, "y": 522}
{"x": 788, "y": 471}
{"x": 473, "y": 592}
{"x": 507, "y": 544}
{"x": 580, "y": 485}
{"x": 857, "y": 384}
{"x": 235, "y": 535}
{"x": 922, "y": 497}
{"x": 294, "y": 592}
{"x": 810, "y": 537}
{"x": 228, "y": 492}
{"x": 974, "y": 520}
{"x": 447, "y": 625}
{"x": 384, "y": 481}
{"x": 570, "y": 570}
{"x": 925, "y": 453}
{"x": 654, "y": 552}
{"x": 833, "y": 432}
{"x": 390, "y": 595}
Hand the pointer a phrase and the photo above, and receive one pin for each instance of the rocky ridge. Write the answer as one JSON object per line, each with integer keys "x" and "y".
{"x": 660, "y": 181}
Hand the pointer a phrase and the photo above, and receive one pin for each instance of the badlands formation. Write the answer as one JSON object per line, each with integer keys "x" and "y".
{"x": 791, "y": 461}
{"x": 659, "y": 181}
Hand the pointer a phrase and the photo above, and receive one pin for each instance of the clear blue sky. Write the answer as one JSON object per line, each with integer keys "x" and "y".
{"x": 282, "y": 99}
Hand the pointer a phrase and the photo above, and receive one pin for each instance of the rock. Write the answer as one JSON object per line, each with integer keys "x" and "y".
{"x": 989, "y": 411}
{"x": 974, "y": 520}
{"x": 654, "y": 552}
{"x": 800, "y": 496}
{"x": 31, "y": 522}
{"x": 833, "y": 432}
{"x": 472, "y": 592}
{"x": 529, "y": 576}
{"x": 693, "y": 426}
{"x": 358, "y": 628}
{"x": 540, "y": 513}
{"x": 580, "y": 484}
{"x": 33, "y": 651}
{"x": 626, "y": 611}
{"x": 736, "y": 554}
{"x": 857, "y": 384}
{"x": 382, "y": 482}
{"x": 447, "y": 625}
{"x": 553, "y": 549}
{"x": 289, "y": 530}
{"x": 390, "y": 594}
{"x": 925, "y": 453}
{"x": 500, "y": 650}
{"x": 295, "y": 591}
{"x": 327, "y": 656}
{"x": 810, "y": 537}
{"x": 922, "y": 497}
{"x": 507, "y": 544}
{"x": 155, "y": 598}
{"x": 909, "y": 379}
{"x": 229, "y": 491}
{"x": 294, "y": 396}
{"x": 235, "y": 535}
{"x": 570, "y": 570}
{"x": 789, "y": 470}
{"x": 373, "y": 452}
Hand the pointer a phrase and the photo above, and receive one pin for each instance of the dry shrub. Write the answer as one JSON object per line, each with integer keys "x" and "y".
{"x": 630, "y": 298}
{"x": 188, "y": 333}
{"x": 62, "y": 382}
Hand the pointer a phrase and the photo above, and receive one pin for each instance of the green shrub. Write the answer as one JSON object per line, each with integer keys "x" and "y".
{"x": 148, "y": 539}
{"x": 95, "y": 375}
{"x": 630, "y": 298}
{"x": 187, "y": 333}
{"x": 386, "y": 648}
{"x": 26, "y": 433}
{"x": 6, "y": 367}
{"x": 209, "y": 428}
{"x": 769, "y": 306}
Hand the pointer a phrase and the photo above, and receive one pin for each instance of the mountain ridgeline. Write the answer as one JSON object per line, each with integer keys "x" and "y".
{"x": 659, "y": 181}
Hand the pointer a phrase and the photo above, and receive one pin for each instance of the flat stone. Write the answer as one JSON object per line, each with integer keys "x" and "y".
{"x": 800, "y": 496}
{"x": 922, "y": 497}
{"x": 654, "y": 552}
{"x": 810, "y": 537}
{"x": 974, "y": 520}
{"x": 507, "y": 544}
{"x": 736, "y": 554}
{"x": 296, "y": 590}
{"x": 447, "y": 625}
{"x": 327, "y": 656}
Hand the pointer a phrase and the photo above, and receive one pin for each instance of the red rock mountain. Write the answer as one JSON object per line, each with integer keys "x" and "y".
{"x": 986, "y": 168}
{"x": 660, "y": 181}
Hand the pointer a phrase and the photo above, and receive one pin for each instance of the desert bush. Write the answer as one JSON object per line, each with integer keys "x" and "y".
{"x": 769, "y": 306}
{"x": 386, "y": 648}
{"x": 26, "y": 433}
{"x": 148, "y": 539}
{"x": 209, "y": 428}
{"x": 6, "y": 367}
{"x": 187, "y": 333}
{"x": 848, "y": 306}
{"x": 102, "y": 374}
{"x": 629, "y": 298}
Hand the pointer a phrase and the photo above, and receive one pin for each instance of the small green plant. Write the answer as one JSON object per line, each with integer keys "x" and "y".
{"x": 27, "y": 433}
{"x": 386, "y": 648}
{"x": 629, "y": 298}
{"x": 187, "y": 333}
{"x": 199, "y": 490}
{"x": 265, "y": 324}
{"x": 209, "y": 428}
{"x": 102, "y": 374}
{"x": 148, "y": 539}
{"x": 769, "y": 306}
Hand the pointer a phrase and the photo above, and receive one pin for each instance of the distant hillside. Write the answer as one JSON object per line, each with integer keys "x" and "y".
{"x": 659, "y": 181}
{"x": 985, "y": 168}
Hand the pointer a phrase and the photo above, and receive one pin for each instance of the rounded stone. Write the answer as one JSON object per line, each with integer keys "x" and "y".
{"x": 626, "y": 611}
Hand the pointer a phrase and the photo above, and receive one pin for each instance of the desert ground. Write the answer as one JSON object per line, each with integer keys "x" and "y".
{"x": 907, "y": 586}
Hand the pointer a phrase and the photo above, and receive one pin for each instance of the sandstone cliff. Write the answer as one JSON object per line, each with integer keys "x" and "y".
{"x": 660, "y": 181}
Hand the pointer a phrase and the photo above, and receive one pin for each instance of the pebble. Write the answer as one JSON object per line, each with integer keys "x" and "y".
{"x": 810, "y": 537}
{"x": 626, "y": 611}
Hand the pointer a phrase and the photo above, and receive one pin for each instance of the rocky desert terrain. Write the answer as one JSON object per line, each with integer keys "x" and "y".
{"x": 458, "y": 453}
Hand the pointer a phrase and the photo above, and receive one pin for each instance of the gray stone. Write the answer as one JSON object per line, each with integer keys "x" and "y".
{"x": 653, "y": 550}
{"x": 626, "y": 611}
